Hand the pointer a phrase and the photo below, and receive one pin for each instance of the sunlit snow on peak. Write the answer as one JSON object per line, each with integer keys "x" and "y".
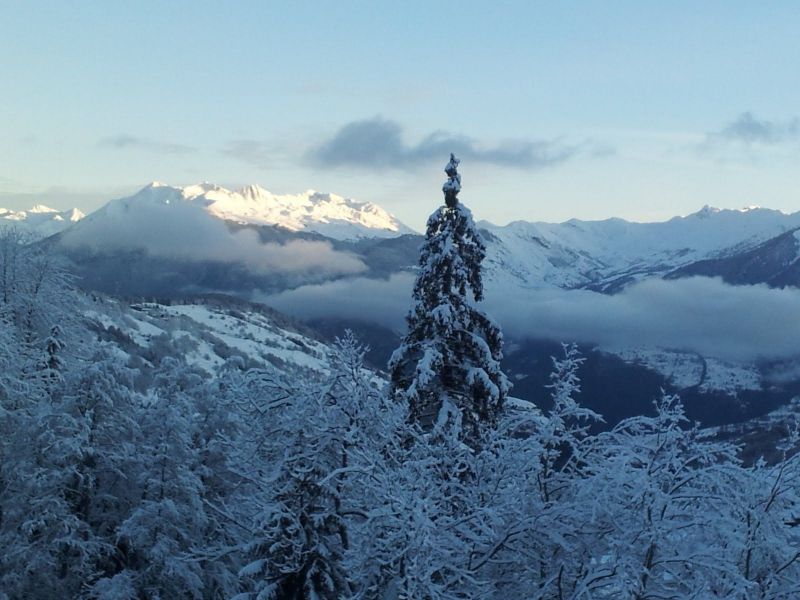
{"x": 310, "y": 211}
{"x": 39, "y": 221}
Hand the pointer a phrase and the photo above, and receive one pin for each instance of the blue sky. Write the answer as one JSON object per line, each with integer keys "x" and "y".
{"x": 641, "y": 110}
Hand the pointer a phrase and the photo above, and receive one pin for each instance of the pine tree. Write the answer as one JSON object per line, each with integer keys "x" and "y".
{"x": 448, "y": 366}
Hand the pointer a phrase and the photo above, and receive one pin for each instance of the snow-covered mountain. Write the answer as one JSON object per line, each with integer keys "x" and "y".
{"x": 40, "y": 221}
{"x": 599, "y": 255}
{"x": 327, "y": 214}
{"x": 606, "y": 255}
{"x": 330, "y": 215}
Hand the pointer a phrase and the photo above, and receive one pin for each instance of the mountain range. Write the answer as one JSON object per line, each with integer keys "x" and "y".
{"x": 581, "y": 281}
{"x": 598, "y": 255}
{"x": 40, "y": 221}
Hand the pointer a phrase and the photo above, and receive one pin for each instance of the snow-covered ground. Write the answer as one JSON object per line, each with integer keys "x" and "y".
{"x": 210, "y": 334}
{"x": 686, "y": 370}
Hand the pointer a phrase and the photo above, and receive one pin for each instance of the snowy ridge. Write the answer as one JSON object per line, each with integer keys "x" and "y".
{"x": 585, "y": 253}
{"x": 314, "y": 212}
{"x": 40, "y": 221}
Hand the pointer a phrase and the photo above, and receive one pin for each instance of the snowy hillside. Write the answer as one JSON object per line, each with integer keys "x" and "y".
{"x": 209, "y": 333}
{"x": 40, "y": 221}
{"x": 690, "y": 370}
{"x": 608, "y": 254}
{"x": 775, "y": 262}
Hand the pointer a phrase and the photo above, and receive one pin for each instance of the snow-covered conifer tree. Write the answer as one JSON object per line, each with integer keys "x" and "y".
{"x": 293, "y": 464}
{"x": 170, "y": 518}
{"x": 449, "y": 360}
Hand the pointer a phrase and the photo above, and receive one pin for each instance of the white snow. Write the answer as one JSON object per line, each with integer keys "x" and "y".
{"x": 685, "y": 370}
{"x": 728, "y": 377}
{"x": 310, "y": 211}
{"x": 209, "y": 334}
{"x": 256, "y": 336}
{"x": 40, "y": 221}
{"x": 251, "y": 334}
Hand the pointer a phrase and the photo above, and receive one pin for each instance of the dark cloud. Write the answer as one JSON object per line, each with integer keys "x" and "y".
{"x": 378, "y": 143}
{"x": 749, "y": 129}
{"x": 707, "y": 316}
{"x": 123, "y": 141}
{"x": 252, "y": 152}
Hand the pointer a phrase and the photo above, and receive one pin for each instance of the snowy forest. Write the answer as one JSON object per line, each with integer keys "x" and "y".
{"x": 125, "y": 479}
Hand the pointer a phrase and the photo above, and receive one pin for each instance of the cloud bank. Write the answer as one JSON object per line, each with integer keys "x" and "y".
{"x": 182, "y": 231}
{"x": 378, "y": 144}
{"x": 707, "y": 316}
{"x": 384, "y": 301}
{"x": 699, "y": 314}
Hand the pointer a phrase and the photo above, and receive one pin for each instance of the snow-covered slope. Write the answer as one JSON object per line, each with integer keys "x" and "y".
{"x": 328, "y": 214}
{"x": 207, "y": 333}
{"x": 313, "y": 212}
{"x": 40, "y": 221}
{"x": 776, "y": 262}
{"x": 687, "y": 370}
{"x": 608, "y": 254}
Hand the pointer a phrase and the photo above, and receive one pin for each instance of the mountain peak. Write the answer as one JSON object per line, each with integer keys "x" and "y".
{"x": 311, "y": 211}
{"x": 253, "y": 192}
{"x": 706, "y": 212}
{"x": 42, "y": 209}
{"x": 74, "y": 215}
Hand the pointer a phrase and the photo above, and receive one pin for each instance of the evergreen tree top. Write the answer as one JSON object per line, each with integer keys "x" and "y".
{"x": 452, "y": 186}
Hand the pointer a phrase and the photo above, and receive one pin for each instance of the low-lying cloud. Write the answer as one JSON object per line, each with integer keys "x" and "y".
{"x": 182, "y": 231}
{"x": 699, "y": 314}
{"x": 383, "y": 301}
{"x": 707, "y": 316}
{"x": 378, "y": 143}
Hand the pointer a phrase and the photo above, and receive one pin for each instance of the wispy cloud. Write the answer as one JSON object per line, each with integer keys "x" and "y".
{"x": 124, "y": 141}
{"x": 252, "y": 152}
{"x": 378, "y": 143}
{"x": 749, "y": 130}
